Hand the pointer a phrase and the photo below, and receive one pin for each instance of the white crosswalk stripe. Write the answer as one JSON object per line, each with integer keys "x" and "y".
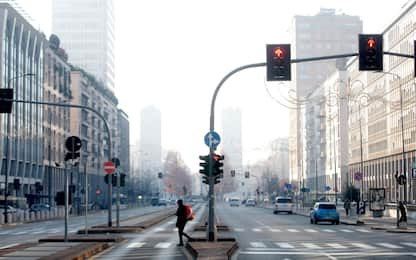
{"x": 310, "y": 230}
{"x": 328, "y": 230}
{"x": 163, "y": 245}
{"x": 175, "y": 230}
{"x": 363, "y": 230}
{"x": 258, "y": 244}
{"x": 159, "y": 229}
{"x": 364, "y": 246}
{"x": 4, "y": 232}
{"x": 336, "y": 245}
{"x": 347, "y": 230}
{"x": 256, "y": 230}
{"x": 388, "y": 245}
{"x": 311, "y": 246}
{"x": 409, "y": 244}
{"x": 284, "y": 245}
{"x": 20, "y": 233}
{"x": 239, "y": 229}
{"x": 135, "y": 245}
{"x": 275, "y": 230}
{"x": 293, "y": 230}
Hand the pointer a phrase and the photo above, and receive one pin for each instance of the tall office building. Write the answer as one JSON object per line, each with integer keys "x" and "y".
{"x": 87, "y": 33}
{"x": 325, "y": 33}
{"x": 232, "y": 146}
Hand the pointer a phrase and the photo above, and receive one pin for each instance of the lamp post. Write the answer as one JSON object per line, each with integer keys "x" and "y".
{"x": 6, "y": 163}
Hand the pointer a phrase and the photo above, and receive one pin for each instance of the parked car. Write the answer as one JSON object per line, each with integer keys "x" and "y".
{"x": 234, "y": 202}
{"x": 250, "y": 203}
{"x": 324, "y": 211}
{"x": 283, "y": 204}
{"x": 163, "y": 202}
{"x": 39, "y": 207}
{"x": 10, "y": 209}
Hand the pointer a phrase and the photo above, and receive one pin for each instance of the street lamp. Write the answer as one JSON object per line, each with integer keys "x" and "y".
{"x": 6, "y": 166}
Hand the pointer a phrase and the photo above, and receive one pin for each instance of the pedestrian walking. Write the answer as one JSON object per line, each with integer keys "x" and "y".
{"x": 181, "y": 221}
{"x": 347, "y": 206}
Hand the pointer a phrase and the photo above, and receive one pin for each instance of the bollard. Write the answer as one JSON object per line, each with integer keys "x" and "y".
{"x": 1, "y": 219}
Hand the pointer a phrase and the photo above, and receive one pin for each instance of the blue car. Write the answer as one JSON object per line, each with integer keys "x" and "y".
{"x": 324, "y": 211}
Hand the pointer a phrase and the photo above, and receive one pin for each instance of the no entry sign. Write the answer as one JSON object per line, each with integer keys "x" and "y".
{"x": 109, "y": 167}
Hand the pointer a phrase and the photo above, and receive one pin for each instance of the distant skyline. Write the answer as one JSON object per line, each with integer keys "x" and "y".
{"x": 172, "y": 54}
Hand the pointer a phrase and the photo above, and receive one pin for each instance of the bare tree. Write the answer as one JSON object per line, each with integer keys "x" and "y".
{"x": 177, "y": 177}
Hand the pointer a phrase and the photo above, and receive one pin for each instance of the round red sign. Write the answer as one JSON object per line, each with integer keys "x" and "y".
{"x": 109, "y": 167}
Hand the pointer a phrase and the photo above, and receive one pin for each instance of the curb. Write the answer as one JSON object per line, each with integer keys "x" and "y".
{"x": 102, "y": 239}
{"x": 84, "y": 251}
{"x": 213, "y": 252}
{"x": 409, "y": 231}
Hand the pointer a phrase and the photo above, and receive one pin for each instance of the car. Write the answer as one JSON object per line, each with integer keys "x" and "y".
{"x": 234, "y": 202}
{"x": 250, "y": 203}
{"x": 39, "y": 207}
{"x": 283, "y": 204}
{"x": 10, "y": 209}
{"x": 163, "y": 202}
{"x": 324, "y": 211}
{"x": 154, "y": 201}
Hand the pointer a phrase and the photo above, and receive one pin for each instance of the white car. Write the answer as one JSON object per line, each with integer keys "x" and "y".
{"x": 234, "y": 202}
{"x": 250, "y": 203}
{"x": 283, "y": 204}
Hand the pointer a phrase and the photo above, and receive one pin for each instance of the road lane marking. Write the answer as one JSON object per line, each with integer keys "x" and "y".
{"x": 388, "y": 245}
{"x": 256, "y": 230}
{"x": 310, "y": 230}
{"x": 364, "y": 246}
{"x": 8, "y": 246}
{"x": 163, "y": 245}
{"x": 20, "y": 233}
{"x": 328, "y": 230}
{"x": 159, "y": 229}
{"x": 293, "y": 230}
{"x": 239, "y": 229}
{"x": 275, "y": 230}
{"x": 258, "y": 244}
{"x": 39, "y": 232}
{"x": 284, "y": 245}
{"x": 347, "y": 230}
{"x": 4, "y": 232}
{"x": 336, "y": 245}
{"x": 175, "y": 229}
{"x": 409, "y": 244}
{"x": 311, "y": 246}
{"x": 136, "y": 245}
{"x": 363, "y": 230}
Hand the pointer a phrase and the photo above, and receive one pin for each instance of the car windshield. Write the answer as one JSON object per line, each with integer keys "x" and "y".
{"x": 287, "y": 127}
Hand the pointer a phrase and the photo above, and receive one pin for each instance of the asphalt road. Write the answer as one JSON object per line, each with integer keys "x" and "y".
{"x": 30, "y": 232}
{"x": 158, "y": 242}
{"x": 263, "y": 235}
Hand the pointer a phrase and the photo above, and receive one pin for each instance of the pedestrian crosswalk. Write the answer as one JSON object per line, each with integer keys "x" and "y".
{"x": 269, "y": 245}
{"x": 37, "y": 231}
{"x": 305, "y": 230}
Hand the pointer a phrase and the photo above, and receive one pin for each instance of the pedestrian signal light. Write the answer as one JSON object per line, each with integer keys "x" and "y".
{"x": 278, "y": 62}
{"x": 370, "y": 52}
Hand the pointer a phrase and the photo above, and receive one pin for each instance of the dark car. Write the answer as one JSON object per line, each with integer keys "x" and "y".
{"x": 39, "y": 207}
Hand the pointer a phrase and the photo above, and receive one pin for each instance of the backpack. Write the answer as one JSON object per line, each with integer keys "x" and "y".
{"x": 189, "y": 212}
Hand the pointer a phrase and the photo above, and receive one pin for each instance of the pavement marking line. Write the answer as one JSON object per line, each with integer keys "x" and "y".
{"x": 332, "y": 255}
{"x": 39, "y": 232}
{"x": 159, "y": 229}
{"x": 20, "y": 233}
{"x": 336, "y": 245}
{"x": 239, "y": 229}
{"x": 163, "y": 245}
{"x": 284, "y": 245}
{"x": 275, "y": 230}
{"x": 310, "y": 230}
{"x": 175, "y": 229}
{"x": 293, "y": 230}
{"x": 347, "y": 230}
{"x": 363, "y": 230}
{"x": 135, "y": 245}
{"x": 388, "y": 245}
{"x": 311, "y": 246}
{"x": 256, "y": 230}
{"x": 409, "y": 244}
{"x": 258, "y": 244}
{"x": 4, "y": 232}
{"x": 328, "y": 230}
{"x": 364, "y": 246}
{"x": 8, "y": 246}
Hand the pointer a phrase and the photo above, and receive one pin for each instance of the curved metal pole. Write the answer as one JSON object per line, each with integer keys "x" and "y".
{"x": 107, "y": 128}
{"x": 211, "y": 218}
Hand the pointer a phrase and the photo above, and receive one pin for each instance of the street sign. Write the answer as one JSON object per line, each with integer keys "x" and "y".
{"x": 73, "y": 144}
{"x": 288, "y": 186}
{"x": 358, "y": 176}
{"x": 212, "y": 139}
{"x": 109, "y": 167}
{"x": 327, "y": 188}
{"x": 361, "y": 208}
{"x": 6, "y": 106}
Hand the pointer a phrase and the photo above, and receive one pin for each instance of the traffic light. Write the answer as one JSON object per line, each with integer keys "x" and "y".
{"x": 122, "y": 179}
{"x": 204, "y": 164}
{"x": 232, "y": 173}
{"x": 60, "y": 198}
{"x": 113, "y": 179}
{"x": 16, "y": 184}
{"x": 217, "y": 179}
{"x": 370, "y": 52}
{"x": 247, "y": 175}
{"x": 160, "y": 175}
{"x": 218, "y": 164}
{"x": 278, "y": 62}
{"x": 6, "y": 95}
{"x": 205, "y": 179}
{"x": 38, "y": 187}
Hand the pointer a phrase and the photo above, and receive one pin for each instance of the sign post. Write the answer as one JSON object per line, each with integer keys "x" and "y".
{"x": 109, "y": 168}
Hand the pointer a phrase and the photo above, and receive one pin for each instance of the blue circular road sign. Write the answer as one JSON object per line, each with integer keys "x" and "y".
{"x": 212, "y": 139}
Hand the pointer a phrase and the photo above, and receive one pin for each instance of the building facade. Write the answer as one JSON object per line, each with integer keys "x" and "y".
{"x": 326, "y": 33}
{"x": 382, "y": 129}
{"x": 21, "y": 142}
{"x": 87, "y": 32}
{"x": 124, "y": 141}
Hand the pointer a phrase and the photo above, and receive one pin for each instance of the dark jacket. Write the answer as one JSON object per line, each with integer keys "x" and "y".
{"x": 181, "y": 214}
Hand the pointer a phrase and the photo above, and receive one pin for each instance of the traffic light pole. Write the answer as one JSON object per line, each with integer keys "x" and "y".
{"x": 107, "y": 128}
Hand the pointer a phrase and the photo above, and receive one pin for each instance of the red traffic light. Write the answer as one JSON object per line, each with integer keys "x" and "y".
{"x": 371, "y": 43}
{"x": 278, "y": 53}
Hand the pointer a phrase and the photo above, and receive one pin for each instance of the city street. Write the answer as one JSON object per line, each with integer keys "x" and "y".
{"x": 263, "y": 235}
{"x": 31, "y": 232}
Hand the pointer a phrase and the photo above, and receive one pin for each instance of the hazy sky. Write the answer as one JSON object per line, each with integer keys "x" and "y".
{"x": 173, "y": 53}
